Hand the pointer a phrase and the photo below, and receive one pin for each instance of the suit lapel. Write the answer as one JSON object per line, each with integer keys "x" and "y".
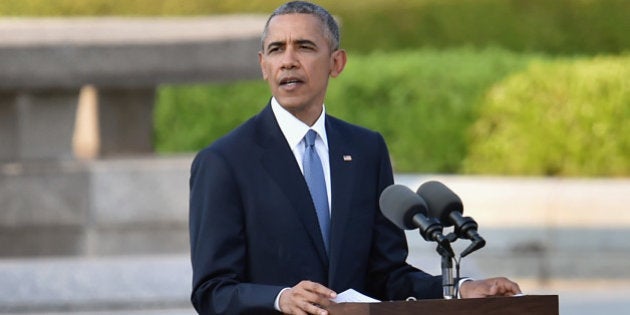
{"x": 279, "y": 161}
{"x": 342, "y": 186}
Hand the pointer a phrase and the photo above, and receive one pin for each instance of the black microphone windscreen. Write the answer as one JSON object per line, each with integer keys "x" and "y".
{"x": 400, "y": 204}
{"x": 440, "y": 200}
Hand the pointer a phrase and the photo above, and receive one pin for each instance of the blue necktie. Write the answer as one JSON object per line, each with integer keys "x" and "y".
{"x": 314, "y": 175}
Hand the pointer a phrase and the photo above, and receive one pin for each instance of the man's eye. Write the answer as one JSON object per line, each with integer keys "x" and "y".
{"x": 273, "y": 49}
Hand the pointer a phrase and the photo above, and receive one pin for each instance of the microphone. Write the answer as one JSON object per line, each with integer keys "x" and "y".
{"x": 408, "y": 211}
{"x": 447, "y": 207}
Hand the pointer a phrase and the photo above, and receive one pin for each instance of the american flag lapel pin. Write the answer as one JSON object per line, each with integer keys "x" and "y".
{"x": 347, "y": 158}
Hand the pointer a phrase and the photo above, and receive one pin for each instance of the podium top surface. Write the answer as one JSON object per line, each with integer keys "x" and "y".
{"x": 530, "y": 304}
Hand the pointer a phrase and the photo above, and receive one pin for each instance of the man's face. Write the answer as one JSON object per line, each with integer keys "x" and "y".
{"x": 297, "y": 61}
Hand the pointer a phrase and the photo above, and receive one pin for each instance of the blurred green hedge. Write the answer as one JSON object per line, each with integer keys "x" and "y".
{"x": 189, "y": 117}
{"x": 421, "y": 101}
{"x": 564, "y": 118}
{"x": 551, "y": 26}
{"x": 464, "y": 110}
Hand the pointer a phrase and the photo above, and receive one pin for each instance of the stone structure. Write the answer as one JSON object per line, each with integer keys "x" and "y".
{"x": 52, "y": 203}
{"x": 45, "y": 62}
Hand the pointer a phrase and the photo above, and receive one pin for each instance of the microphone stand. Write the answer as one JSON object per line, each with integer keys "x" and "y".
{"x": 431, "y": 230}
{"x": 448, "y": 282}
{"x": 447, "y": 254}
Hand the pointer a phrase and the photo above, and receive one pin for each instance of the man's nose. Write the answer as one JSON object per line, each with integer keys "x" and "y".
{"x": 289, "y": 59}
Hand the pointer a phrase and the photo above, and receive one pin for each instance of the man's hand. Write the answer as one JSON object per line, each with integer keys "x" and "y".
{"x": 489, "y": 287}
{"x": 306, "y": 298}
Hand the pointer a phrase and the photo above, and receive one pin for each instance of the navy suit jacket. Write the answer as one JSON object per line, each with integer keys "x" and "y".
{"x": 254, "y": 230}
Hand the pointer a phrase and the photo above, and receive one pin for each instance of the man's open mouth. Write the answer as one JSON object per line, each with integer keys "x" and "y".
{"x": 290, "y": 81}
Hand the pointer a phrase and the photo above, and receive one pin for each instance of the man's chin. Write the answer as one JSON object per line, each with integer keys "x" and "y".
{"x": 290, "y": 102}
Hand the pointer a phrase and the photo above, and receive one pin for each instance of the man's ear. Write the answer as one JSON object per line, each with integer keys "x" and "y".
{"x": 261, "y": 61}
{"x": 338, "y": 60}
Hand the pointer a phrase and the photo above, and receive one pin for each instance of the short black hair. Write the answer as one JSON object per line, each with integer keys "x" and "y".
{"x": 331, "y": 31}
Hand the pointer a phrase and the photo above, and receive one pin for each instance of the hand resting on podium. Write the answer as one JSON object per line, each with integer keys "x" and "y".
{"x": 499, "y": 286}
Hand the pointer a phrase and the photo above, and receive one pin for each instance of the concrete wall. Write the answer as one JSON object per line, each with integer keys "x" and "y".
{"x": 100, "y": 207}
{"x": 140, "y": 206}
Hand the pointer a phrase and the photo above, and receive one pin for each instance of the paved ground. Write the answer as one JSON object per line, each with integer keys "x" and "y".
{"x": 87, "y": 284}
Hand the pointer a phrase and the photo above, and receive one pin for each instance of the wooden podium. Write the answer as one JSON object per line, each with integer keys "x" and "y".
{"x": 529, "y": 304}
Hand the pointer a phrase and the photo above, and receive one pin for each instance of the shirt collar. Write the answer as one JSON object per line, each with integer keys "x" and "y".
{"x": 294, "y": 129}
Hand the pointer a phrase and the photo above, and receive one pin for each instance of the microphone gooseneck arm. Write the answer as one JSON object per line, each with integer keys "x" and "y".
{"x": 466, "y": 228}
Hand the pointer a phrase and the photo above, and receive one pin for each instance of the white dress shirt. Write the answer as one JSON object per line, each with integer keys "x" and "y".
{"x": 294, "y": 131}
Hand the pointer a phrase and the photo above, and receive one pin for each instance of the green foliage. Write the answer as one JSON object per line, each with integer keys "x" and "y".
{"x": 421, "y": 101}
{"x": 551, "y": 26}
{"x": 557, "y": 26}
{"x": 188, "y": 118}
{"x": 564, "y": 118}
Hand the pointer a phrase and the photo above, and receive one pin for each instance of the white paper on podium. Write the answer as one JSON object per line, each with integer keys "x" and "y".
{"x": 352, "y": 295}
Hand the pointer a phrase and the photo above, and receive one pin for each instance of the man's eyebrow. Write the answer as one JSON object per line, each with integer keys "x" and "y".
{"x": 276, "y": 44}
{"x": 305, "y": 41}
{"x": 281, "y": 43}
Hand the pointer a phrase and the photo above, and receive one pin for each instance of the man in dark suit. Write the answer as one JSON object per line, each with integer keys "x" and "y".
{"x": 264, "y": 237}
